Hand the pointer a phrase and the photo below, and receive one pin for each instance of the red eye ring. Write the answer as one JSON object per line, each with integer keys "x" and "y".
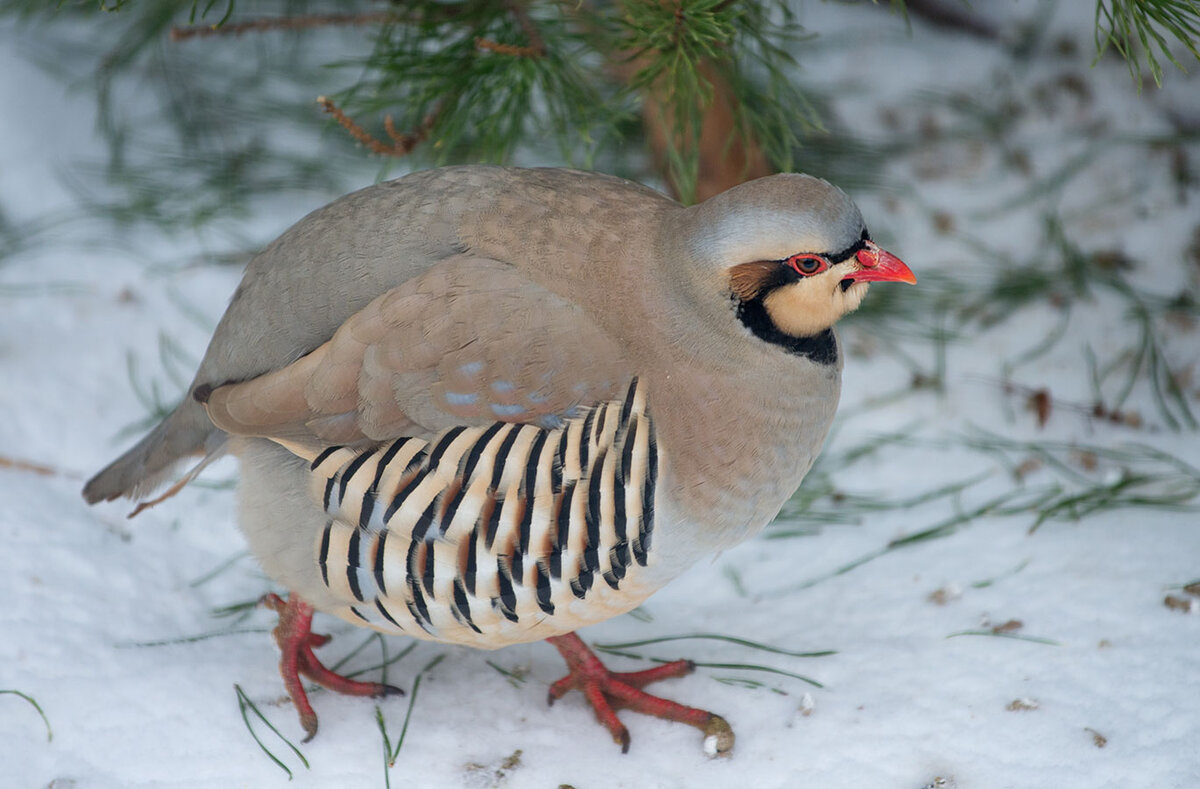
{"x": 807, "y": 265}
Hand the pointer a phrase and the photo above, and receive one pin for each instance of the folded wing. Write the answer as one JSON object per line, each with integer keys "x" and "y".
{"x": 471, "y": 341}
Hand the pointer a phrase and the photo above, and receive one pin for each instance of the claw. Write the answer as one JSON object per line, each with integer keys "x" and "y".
{"x": 718, "y": 737}
{"x": 296, "y": 642}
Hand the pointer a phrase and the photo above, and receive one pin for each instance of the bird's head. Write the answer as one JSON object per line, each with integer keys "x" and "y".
{"x": 793, "y": 252}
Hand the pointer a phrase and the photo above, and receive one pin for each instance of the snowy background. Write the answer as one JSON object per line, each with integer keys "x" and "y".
{"x": 1043, "y": 373}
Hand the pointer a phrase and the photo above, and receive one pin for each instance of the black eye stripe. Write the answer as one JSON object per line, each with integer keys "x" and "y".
{"x": 852, "y": 249}
{"x": 839, "y": 257}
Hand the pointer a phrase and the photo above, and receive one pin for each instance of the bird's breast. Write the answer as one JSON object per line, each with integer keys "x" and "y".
{"x": 736, "y": 448}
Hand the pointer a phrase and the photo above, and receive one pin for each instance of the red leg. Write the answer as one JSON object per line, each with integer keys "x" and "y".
{"x": 296, "y": 641}
{"x": 607, "y": 691}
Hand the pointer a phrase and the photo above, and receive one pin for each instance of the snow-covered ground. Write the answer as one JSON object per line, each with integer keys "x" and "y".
{"x": 1066, "y": 667}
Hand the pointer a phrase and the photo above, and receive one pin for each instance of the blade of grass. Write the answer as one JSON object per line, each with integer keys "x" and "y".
{"x": 1042, "y": 347}
{"x": 36, "y": 706}
{"x": 244, "y": 704}
{"x": 715, "y": 637}
{"x": 388, "y": 661}
{"x": 240, "y": 611}
{"x": 220, "y": 568}
{"x": 641, "y": 614}
{"x": 516, "y": 679}
{"x": 387, "y": 746}
{"x": 189, "y": 639}
{"x": 753, "y": 667}
{"x": 346, "y": 658}
{"x": 998, "y": 505}
{"x": 989, "y": 581}
{"x": 1016, "y": 636}
{"x": 753, "y": 684}
{"x": 735, "y": 578}
{"x": 702, "y": 664}
{"x": 412, "y": 700}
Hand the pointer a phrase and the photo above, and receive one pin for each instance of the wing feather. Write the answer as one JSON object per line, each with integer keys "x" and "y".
{"x": 470, "y": 341}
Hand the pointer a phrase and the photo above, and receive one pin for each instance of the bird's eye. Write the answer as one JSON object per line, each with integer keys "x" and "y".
{"x": 807, "y": 265}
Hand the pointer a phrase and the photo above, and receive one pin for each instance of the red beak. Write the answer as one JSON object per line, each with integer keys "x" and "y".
{"x": 879, "y": 265}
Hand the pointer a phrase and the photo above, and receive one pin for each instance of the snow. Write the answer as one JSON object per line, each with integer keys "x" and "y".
{"x": 1090, "y": 681}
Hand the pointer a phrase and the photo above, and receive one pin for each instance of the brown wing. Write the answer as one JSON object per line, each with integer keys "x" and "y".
{"x": 470, "y": 341}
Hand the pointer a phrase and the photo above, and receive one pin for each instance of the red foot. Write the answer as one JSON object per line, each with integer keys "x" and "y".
{"x": 296, "y": 641}
{"x": 606, "y": 690}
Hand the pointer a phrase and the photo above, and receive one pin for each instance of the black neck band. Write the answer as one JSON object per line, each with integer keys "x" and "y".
{"x": 821, "y": 348}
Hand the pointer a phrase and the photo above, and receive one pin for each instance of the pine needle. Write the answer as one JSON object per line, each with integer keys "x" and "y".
{"x": 990, "y": 581}
{"x": 753, "y": 684}
{"x": 753, "y": 667}
{"x": 220, "y": 568}
{"x": 621, "y": 651}
{"x": 716, "y": 637}
{"x": 515, "y": 678}
{"x": 36, "y": 706}
{"x": 245, "y": 705}
{"x": 412, "y": 701}
{"x": 387, "y": 661}
{"x": 387, "y": 746}
{"x": 1124, "y": 24}
{"x": 995, "y": 634}
{"x": 191, "y": 639}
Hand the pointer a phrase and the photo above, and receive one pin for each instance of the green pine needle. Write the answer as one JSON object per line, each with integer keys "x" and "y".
{"x": 33, "y": 702}
{"x": 995, "y": 634}
{"x": 412, "y": 701}
{"x": 715, "y": 637}
{"x": 245, "y": 706}
{"x": 1147, "y": 29}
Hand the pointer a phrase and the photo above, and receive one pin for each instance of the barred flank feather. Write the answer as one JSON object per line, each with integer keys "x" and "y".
{"x": 481, "y": 525}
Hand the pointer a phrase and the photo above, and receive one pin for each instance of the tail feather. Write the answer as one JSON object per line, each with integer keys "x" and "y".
{"x": 186, "y": 433}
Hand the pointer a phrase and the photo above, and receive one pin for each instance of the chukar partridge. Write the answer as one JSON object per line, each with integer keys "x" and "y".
{"x": 485, "y": 406}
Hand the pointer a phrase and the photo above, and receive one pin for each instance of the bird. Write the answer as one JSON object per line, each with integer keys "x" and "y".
{"x": 484, "y": 405}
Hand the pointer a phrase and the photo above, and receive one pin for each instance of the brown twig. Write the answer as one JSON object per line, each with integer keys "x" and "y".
{"x": 16, "y": 464}
{"x": 402, "y": 144}
{"x": 507, "y": 49}
{"x": 1042, "y": 403}
{"x": 303, "y": 22}
{"x": 537, "y": 45}
{"x": 536, "y": 42}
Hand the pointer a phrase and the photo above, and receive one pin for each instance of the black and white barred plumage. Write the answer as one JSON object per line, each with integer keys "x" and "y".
{"x": 483, "y": 531}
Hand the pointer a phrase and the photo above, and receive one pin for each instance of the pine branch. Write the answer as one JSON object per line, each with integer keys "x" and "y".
{"x": 508, "y": 49}
{"x": 537, "y": 46}
{"x": 302, "y": 22}
{"x": 1126, "y": 25}
{"x": 401, "y": 145}
{"x": 709, "y": 87}
{"x": 494, "y": 76}
{"x": 717, "y": 99}
{"x": 726, "y": 154}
